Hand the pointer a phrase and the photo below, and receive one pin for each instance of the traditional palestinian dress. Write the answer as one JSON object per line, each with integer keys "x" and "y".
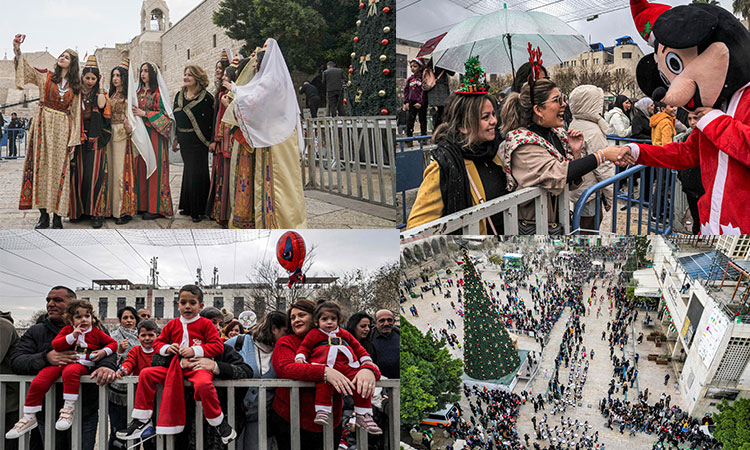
{"x": 195, "y": 123}
{"x": 218, "y": 207}
{"x": 88, "y": 169}
{"x": 154, "y": 195}
{"x": 243, "y": 211}
{"x": 268, "y": 114}
{"x": 120, "y": 161}
{"x": 55, "y": 131}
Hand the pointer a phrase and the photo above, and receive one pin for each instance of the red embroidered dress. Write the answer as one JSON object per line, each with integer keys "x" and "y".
{"x": 154, "y": 194}
{"x": 218, "y": 198}
{"x": 54, "y": 133}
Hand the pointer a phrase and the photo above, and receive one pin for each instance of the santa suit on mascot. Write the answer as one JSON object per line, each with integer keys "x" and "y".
{"x": 702, "y": 59}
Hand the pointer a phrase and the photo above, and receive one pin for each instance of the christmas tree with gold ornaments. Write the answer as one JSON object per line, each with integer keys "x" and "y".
{"x": 489, "y": 352}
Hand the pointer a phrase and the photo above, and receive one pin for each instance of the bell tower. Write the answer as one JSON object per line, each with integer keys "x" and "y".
{"x": 155, "y": 16}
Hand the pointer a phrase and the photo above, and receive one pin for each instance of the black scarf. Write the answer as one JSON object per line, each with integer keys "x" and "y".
{"x": 454, "y": 181}
{"x": 549, "y": 135}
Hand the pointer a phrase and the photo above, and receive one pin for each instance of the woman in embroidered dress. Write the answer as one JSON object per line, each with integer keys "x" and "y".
{"x": 55, "y": 131}
{"x": 88, "y": 169}
{"x": 194, "y": 116}
{"x": 120, "y": 150}
{"x": 539, "y": 152}
{"x": 268, "y": 114}
{"x": 154, "y": 198}
{"x": 218, "y": 207}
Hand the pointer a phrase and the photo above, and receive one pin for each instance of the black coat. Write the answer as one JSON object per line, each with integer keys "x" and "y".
{"x": 333, "y": 79}
{"x": 640, "y": 127}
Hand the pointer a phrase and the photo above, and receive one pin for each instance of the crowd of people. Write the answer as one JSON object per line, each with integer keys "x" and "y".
{"x": 96, "y": 154}
{"x": 535, "y": 136}
{"x": 200, "y": 345}
{"x": 14, "y": 129}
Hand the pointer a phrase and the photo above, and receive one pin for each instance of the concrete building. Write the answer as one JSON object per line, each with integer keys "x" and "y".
{"x": 109, "y": 296}
{"x": 9, "y": 95}
{"x": 623, "y": 57}
{"x": 735, "y": 247}
{"x": 706, "y": 320}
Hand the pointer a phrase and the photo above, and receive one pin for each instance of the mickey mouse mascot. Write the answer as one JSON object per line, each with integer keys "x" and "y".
{"x": 702, "y": 58}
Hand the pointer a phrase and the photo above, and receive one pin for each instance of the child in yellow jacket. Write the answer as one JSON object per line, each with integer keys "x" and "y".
{"x": 663, "y": 124}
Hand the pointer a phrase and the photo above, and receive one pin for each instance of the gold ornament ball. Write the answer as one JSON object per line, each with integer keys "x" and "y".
{"x": 354, "y": 55}
{"x": 383, "y": 58}
{"x": 349, "y": 83}
{"x": 386, "y": 29}
{"x": 381, "y": 93}
{"x": 359, "y": 22}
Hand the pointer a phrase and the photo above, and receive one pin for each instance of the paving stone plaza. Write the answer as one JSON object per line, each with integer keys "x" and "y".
{"x": 600, "y": 372}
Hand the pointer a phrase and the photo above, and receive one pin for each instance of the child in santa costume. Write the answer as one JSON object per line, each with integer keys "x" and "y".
{"x": 90, "y": 343}
{"x": 139, "y": 357}
{"x": 330, "y": 345}
{"x": 702, "y": 59}
{"x": 187, "y": 336}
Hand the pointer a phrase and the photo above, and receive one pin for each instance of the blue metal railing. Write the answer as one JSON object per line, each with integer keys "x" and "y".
{"x": 6, "y": 137}
{"x": 410, "y": 164}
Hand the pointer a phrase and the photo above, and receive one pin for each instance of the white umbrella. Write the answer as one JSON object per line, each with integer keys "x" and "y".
{"x": 501, "y": 38}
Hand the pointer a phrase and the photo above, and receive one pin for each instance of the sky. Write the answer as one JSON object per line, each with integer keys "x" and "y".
{"x": 82, "y": 24}
{"x": 415, "y": 19}
{"x": 88, "y": 254}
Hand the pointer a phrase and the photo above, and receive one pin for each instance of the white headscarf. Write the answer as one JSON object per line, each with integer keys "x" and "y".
{"x": 266, "y": 107}
{"x": 140, "y": 138}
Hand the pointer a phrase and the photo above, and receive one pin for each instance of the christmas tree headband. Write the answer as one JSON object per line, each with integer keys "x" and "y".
{"x": 535, "y": 60}
{"x": 474, "y": 81}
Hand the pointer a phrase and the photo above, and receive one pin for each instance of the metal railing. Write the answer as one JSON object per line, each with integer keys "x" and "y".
{"x": 659, "y": 213}
{"x": 352, "y": 157}
{"x": 167, "y": 442}
{"x": 468, "y": 220}
{"x": 410, "y": 166}
{"x": 20, "y": 136}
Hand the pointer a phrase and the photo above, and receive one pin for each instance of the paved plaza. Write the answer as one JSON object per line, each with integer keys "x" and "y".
{"x": 600, "y": 371}
{"x": 324, "y": 210}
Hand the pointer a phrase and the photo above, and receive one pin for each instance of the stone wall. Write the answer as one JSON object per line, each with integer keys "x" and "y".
{"x": 8, "y": 92}
{"x": 197, "y": 33}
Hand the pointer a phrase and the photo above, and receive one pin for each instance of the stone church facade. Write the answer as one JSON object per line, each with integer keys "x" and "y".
{"x": 194, "y": 39}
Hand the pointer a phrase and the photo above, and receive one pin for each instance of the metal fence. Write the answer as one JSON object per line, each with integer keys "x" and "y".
{"x": 167, "y": 442}
{"x": 352, "y": 157}
{"x": 468, "y": 220}
{"x": 8, "y": 135}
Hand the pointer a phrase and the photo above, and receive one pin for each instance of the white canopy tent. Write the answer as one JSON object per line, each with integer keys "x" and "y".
{"x": 648, "y": 283}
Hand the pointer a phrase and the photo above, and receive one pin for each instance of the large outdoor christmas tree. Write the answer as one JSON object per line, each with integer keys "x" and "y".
{"x": 373, "y": 87}
{"x": 489, "y": 353}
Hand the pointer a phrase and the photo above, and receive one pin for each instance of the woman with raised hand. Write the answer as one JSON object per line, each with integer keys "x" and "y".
{"x": 54, "y": 133}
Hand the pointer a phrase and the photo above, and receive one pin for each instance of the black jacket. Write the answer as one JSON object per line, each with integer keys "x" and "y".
{"x": 333, "y": 79}
{"x": 231, "y": 366}
{"x": 640, "y": 127}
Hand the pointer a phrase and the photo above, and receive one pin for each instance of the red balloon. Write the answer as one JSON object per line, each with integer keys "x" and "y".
{"x": 290, "y": 252}
{"x": 387, "y": 9}
{"x": 384, "y": 42}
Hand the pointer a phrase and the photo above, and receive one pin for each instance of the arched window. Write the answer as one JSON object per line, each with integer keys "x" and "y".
{"x": 157, "y": 20}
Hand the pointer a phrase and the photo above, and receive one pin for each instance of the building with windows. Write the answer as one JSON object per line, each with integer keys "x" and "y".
{"x": 735, "y": 247}
{"x": 705, "y": 315}
{"x": 109, "y": 296}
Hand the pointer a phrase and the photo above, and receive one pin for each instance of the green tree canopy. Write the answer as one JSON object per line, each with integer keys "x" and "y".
{"x": 309, "y": 32}
{"x": 733, "y": 424}
{"x": 430, "y": 376}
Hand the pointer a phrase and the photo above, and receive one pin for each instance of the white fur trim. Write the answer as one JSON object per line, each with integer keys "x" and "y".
{"x": 142, "y": 414}
{"x": 708, "y": 118}
{"x": 300, "y": 355}
{"x": 198, "y": 351}
{"x": 635, "y": 151}
{"x": 717, "y": 193}
{"x": 163, "y": 350}
{"x": 150, "y": 350}
{"x": 362, "y": 411}
{"x": 31, "y": 409}
{"x": 71, "y": 397}
{"x": 364, "y": 359}
{"x": 323, "y": 408}
{"x": 169, "y": 430}
{"x": 107, "y": 350}
{"x": 70, "y": 339}
{"x": 216, "y": 421}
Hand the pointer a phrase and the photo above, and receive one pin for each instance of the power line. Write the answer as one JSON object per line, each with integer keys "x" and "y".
{"x": 44, "y": 267}
{"x": 195, "y": 246}
{"x": 141, "y": 256}
{"x": 64, "y": 248}
{"x": 94, "y": 234}
{"x": 23, "y": 278}
{"x": 37, "y": 246}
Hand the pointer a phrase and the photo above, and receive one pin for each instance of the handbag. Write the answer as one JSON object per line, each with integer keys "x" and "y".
{"x": 528, "y": 227}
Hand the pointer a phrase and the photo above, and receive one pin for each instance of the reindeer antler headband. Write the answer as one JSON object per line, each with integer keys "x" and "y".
{"x": 535, "y": 60}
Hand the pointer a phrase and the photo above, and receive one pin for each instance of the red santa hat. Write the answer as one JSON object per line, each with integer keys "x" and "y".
{"x": 644, "y": 16}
